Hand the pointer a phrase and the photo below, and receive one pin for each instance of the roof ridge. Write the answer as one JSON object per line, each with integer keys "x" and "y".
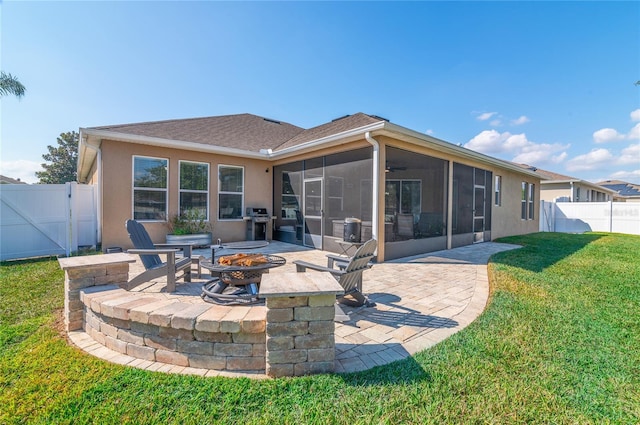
{"x": 189, "y": 119}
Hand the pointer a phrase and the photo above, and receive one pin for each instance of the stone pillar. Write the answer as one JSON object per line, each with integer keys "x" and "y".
{"x": 300, "y": 325}
{"x": 86, "y": 271}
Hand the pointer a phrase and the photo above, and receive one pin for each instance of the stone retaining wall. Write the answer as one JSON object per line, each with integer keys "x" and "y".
{"x": 163, "y": 328}
{"x": 183, "y": 334}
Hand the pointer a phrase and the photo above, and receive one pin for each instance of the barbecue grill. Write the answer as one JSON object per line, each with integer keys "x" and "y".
{"x": 257, "y": 221}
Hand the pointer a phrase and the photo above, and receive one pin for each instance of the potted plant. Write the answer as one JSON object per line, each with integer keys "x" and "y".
{"x": 190, "y": 227}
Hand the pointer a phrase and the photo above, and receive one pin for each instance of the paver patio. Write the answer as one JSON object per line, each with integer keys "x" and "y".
{"x": 421, "y": 300}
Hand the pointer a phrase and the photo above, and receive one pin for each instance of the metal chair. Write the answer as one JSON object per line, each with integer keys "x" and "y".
{"x": 149, "y": 255}
{"x": 349, "y": 277}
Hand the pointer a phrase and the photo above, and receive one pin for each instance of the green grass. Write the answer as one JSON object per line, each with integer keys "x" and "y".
{"x": 559, "y": 343}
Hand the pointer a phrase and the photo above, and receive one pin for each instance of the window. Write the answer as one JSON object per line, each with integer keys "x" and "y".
{"x": 532, "y": 192}
{"x": 403, "y": 196}
{"x": 523, "y": 207}
{"x": 230, "y": 192}
{"x": 194, "y": 187}
{"x": 498, "y": 193}
{"x": 150, "y": 188}
{"x": 528, "y": 194}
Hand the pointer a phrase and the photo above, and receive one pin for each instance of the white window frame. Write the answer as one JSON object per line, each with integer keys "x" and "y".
{"x": 151, "y": 189}
{"x": 220, "y": 192}
{"x": 528, "y": 195}
{"x": 181, "y": 190}
{"x": 530, "y": 200}
{"x": 498, "y": 191}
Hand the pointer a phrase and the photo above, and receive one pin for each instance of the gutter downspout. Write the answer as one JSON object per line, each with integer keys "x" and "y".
{"x": 98, "y": 152}
{"x": 376, "y": 187}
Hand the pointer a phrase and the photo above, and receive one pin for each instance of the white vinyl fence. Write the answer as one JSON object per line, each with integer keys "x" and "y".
{"x": 46, "y": 219}
{"x": 578, "y": 217}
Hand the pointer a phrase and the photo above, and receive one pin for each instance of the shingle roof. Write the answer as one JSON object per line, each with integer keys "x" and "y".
{"x": 242, "y": 131}
{"x": 339, "y": 125}
{"x": 9, "y": 180}
{"x": 550, "y": 175}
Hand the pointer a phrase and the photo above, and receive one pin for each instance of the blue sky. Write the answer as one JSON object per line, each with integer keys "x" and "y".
{"x": 550, "y": 84}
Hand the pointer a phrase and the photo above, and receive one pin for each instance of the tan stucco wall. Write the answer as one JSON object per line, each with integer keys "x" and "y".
{"x": 506, "y": 219}
{"x": 116, "y": 207}
{"x": 117, "y": 190}
{"x": 552, "y": 191}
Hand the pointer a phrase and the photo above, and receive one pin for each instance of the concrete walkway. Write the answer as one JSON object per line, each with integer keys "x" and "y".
{"x": 421, "y": 300}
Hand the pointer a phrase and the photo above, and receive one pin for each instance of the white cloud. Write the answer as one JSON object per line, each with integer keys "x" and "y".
{"x": 20, "y": 169}
{"x": 635, "y": 115}
{"x": 634, "y": 133}
{"x": 590, "y": 161}
{"x": 522, "y": 120}
{"x": 630, "y": 155}
{"x": 525, "y": 151}
{"x": 630, "y": 176}
{"x": 607, "y": 135}
{"x": 429, "y": 132}
{"x": 496, "y": 123}
{"x": 485, "y": 116}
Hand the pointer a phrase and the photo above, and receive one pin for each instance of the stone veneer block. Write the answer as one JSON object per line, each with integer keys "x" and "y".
{"x": 231, "y": 322}
{"x": 162, "y": 316}
{"x": 209, "y": 321}
{"x": 172, "y": 357}
{"x": 322, "y": 300}
{"x": 279, "y": 370}
{"x": 309, "y": 314}
{"x": 186, "y": 318}
{"x": 121, "y": 311}
{"x": 286, "y": 302}
{"x": 207, "y": 362}
{"x": 144, "y": 353}
{"x": 245, "y": 363}
{"x": 277, "y": 315}
{"x": 140, "y": 313}
{"x": 255, "y": 320}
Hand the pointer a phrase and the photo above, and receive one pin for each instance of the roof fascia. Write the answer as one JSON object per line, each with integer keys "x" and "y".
{"x": 412, "y": 136}
{"x": 170, "y": 143}
{"x": 324, "y": 142}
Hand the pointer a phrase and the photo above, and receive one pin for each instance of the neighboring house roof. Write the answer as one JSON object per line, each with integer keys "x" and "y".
{"x": 9, "y": 180}
{"x": 251, "y": 136}
{"x": 550, "y": 177}
{"x": 624, "y": 189}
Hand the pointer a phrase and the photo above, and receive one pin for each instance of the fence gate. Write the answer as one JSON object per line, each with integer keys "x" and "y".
{"x": 39, "y": 220}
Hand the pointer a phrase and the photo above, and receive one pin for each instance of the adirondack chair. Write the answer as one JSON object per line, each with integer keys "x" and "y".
{"x": 349, "y": 276}
{"x": 149, "y": 255}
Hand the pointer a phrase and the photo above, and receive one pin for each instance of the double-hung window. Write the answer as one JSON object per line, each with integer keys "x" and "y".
{"x": 194, "y": 188}
{"x": 150, "y": 177}
{"x": 498, "y": 191}
{"x": 528, "y": 194}
{"x": 230, "y": 192}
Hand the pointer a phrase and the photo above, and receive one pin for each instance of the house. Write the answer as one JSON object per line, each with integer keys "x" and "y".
{"x": 9, "y": 180}
{"x": 625, "y": 192}
{"x": 560, "y": 188}
{"x": 412, "y": 192}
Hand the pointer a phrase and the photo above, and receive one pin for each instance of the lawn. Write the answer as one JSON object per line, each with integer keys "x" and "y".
{"x": 558, "y": 343}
